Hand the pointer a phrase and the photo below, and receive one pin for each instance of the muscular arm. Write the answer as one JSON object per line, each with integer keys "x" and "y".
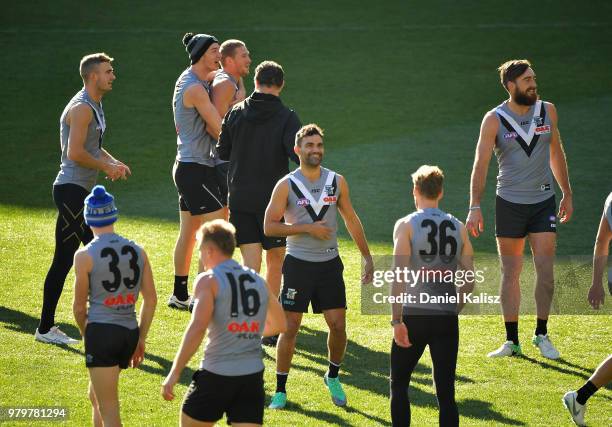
{"x": 466, "y": 263}
{"x": 558, "y": 164}
{"x": 196, "y": 96}
{"x": 149, "y": 298}
{"x": 222, "y": 96}
{"x": 401, "y": 259}
{"x": 82, "y": 267}
{"x": 600, "y": 259}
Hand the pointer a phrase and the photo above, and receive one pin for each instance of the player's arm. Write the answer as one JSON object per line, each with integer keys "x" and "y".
{"x": 401, "y": 259}
{"x": 558, "y": 164}
{"x": 82, "y": 267}
{"x": 466, "y": 263}
{"x": 108, "y": 157}
{"x": 205, "y": 290}
{"x": 196, "y": 96}
{"x": 224, "y": 144}
{"x": 273, "y": 224}
{"x": 354, "y": 227}
{"x": 79, "y": 118}
{"x": 596, "y": 293}
{"x": 222, "y": 95}
{"x": 276, "y": 323}
{"x": 147, "y": 310}
{"x": 484, "y": 151}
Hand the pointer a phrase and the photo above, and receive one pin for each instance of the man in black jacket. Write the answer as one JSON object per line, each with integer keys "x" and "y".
{"x": 257, "y": 137}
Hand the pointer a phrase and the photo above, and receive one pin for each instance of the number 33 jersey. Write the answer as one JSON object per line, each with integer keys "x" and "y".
{"x": 114, "y": 281}
{"x": 233, "y": 346}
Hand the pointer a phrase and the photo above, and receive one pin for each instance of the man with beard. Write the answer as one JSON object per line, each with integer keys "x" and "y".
{"x": 309, "y": 199}
{"x": 523, "y": 133}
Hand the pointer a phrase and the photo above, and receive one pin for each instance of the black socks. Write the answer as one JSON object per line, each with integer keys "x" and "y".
{"x": 180, "y": 287}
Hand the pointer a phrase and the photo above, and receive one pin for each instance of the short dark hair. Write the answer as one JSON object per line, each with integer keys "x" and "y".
{"x": 228, "y": 48}
{"x": 269, "y": 73}
{"x": 90, "y": 62}
{"x": 219, "y": 232}
{"x": 428, "y": 180}
{"x": 509, "y": 71}
{"x": 307, "y": 130}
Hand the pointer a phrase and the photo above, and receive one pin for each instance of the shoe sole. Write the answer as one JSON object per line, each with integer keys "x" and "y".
{"x": 335, "y": 401}
{"x": 46, "y": 341}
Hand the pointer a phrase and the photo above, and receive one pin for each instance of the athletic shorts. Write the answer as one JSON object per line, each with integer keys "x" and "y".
{"x": 211, "y": 395}
{"x": 198, "y": 188}
{"x": 517, "y": 220}
{"x": 109, "y": 345}
{"x": 318, "y": 283}
{"x": 249, "y": 229}
{"x": 221, "y": 170}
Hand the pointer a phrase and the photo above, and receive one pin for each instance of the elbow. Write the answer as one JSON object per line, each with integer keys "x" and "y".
{"x": 267, "y": 228}
{"x": 73, "y": 155}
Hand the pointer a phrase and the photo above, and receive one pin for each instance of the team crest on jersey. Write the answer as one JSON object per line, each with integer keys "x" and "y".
{"x": 330, "y": 190}
{"x": 510, "y": 135}
{"x": 539, "y": 121}
{"x": 302, "y": 202}
{"x": 544, "y": 187}
{"x": 291, "y": 293}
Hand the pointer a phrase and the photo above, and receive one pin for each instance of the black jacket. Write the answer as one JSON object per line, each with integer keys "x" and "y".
{"x": 257, "y": 137}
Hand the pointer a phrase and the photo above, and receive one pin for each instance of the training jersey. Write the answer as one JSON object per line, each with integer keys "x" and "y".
{"x": 436, "y": 245}
{"x": 194, "y": 144}
{"x": 221, "y": 76}
{"x": 522, "y": 148}
{"x": 307, "y": 203}
{"x": 114, "y": 281}
{"x": 233, "y": 346}
{"x": 70, "y": 171}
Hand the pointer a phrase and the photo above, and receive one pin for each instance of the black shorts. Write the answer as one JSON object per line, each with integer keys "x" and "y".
{"x": 517, "y": 220}
{"x": 198, "y": 188}
{"x": 318, "y": 283}
{"x": 221, "y": 170}
{"x": 211, "y": 395}
{"x": 249, "y": 229}
{"x": 109, "y": 345}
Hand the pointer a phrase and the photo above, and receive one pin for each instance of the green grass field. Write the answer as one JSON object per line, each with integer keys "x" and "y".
{"x": 394, "y": 86}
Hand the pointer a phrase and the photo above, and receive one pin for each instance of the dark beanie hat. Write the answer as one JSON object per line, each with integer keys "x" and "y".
{"x": 196, "y": 45}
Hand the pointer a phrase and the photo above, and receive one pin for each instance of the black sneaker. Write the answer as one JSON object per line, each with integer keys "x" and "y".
{"x": 270, "y": 341}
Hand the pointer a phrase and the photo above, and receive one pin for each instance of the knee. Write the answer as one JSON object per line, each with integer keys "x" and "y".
{"x": 274, "y": 259}
{"x": 292, "y": 329}
{"x": 337, "y": 326}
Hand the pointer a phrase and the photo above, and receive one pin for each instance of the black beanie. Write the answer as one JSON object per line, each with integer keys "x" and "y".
{"x": 197, "y": 45}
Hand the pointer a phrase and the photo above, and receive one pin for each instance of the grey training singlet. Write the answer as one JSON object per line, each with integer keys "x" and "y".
{"x": 114, "y": 281}
{"x": 436, "y": 245}
{"x": 70, "y": 171}
{"x": 222, "y": 76}
{"x": 522, "y": 147}
{"x": 307, "y": 203}
{"x": 235, "y": 330}
{"x": 194, "y": 144}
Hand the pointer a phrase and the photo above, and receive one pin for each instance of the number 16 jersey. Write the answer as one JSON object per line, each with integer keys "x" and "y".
{"x": 114, "y": 281}
{"x": 234, "y": 334}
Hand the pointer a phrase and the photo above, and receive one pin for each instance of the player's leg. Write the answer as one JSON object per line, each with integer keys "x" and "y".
{"x": 285, "y": 348}
{"x": 274, "y": 265}
{"x": 443, "y": 347}
{"x": 336, "y": 338}
{"x": 247, "y": 408}
{"x": 95, "y": 410}
{"x": 105, "y": 381}
{"x": 251, "y": 255}
{"x": 403, "y": 362}
{"x": 70, "y": 231}
{"x": 187, "y": 421}
{"x": 183, "y": 251}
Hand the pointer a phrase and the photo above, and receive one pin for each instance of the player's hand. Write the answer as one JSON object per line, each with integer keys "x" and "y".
{"x": 320, "y": 231}
{"x": 400, "y": 335}
{"x": 474, "y": 222}
{"x": 167, "y": 390}
{"x": 138, "y": 355}
{"x": 596, "y": 296}
{"x": 368, "y": 271}
{"x": 566, "y": 209}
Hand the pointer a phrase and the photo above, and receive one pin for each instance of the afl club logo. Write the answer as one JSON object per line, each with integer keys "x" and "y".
{"x": 510, "y": 135}
{"x": 302, "y": 202}
{"x": 539, "y": 121}
{"x": 330, "y": 190}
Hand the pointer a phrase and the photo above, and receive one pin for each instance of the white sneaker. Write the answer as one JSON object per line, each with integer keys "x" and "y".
{"x": 546, "y": 347}
{"x": 507, "y": 349}
{"x": 575, "y": 409}
{"x": 174, "y": 302}
{"x": 55, "y": 336}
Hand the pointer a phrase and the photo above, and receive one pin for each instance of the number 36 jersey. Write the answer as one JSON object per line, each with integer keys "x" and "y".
{"x": 233, "y": 346}
{"x": 114, "y": 281}
{"x": 436, "y": 245}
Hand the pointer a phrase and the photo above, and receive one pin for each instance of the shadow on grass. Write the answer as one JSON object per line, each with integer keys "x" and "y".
{"x": 18, "y": 321}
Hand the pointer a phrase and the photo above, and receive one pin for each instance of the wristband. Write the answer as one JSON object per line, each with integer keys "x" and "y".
{"x": 474, "y": 208}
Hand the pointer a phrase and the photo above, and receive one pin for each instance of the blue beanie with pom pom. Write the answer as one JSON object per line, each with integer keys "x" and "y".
{"x": 100, "y": 208}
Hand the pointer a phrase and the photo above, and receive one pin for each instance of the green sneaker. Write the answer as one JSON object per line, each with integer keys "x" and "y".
{"x": 279, "y": 400}
{"x": 335, "y": 389}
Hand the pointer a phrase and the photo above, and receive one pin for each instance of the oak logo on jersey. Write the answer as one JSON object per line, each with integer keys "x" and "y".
{"x": 121, "y": 299}
{"x": 236, "y": 327}
{"x": 330, "y": 199}
{"x": 540, "y": 130}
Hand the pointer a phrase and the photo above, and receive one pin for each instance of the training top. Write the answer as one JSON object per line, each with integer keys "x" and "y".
{"x": 70, "y": 171}
{"x": 436, "y": 245}
{"x": 194, "y": 144}
{"x": 221, "y": 76}
{"x": 522, "y": 147}
{"x": 114, "y": 281}
{"x": 233, "y": 346}
{"x": 307, "y": 203}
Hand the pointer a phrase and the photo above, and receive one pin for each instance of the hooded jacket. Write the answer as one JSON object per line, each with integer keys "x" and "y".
{"x": 257, "y": 137}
